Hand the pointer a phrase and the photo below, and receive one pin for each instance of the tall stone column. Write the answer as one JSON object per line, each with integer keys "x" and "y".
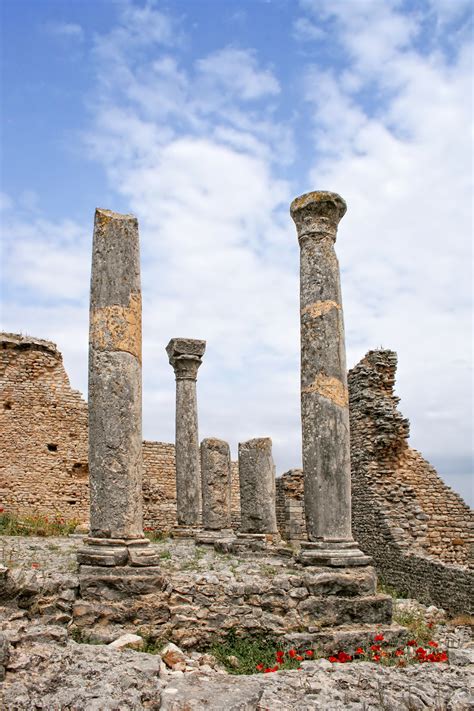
{"x": 115, "y": 396}
{"x": 324, "y": 394}
{"x": 216, "y": 490}
{"x": 185, "y": 355}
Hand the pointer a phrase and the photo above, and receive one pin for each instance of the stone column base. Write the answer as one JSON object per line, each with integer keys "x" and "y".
{"x": 208, "y": 538}
{"x": 337, "y": 554}
{"x": 111, "y": 552}
{"x": 252, "y": 543}
{"x": 185, "y": 532}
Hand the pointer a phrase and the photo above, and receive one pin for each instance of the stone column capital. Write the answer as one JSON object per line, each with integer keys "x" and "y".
{"x": 185, "y": 356}
{"x": 317, "y": 214}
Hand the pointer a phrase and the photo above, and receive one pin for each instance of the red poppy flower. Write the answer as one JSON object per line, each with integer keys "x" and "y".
{"x": 359, "y": 650}
{"x": 309, "y": 653}
{"x": 421, "y": 652}
{"x": 412, "y": 643}
{"x": 399, "y": 652}
{"x": 376, "y": 658}
{"x": 259, "y": 667}
{"x": 379, "y": 638}
{"x": 35, "y": 565}
{"x": 375, "y": 647}
{"x": 433, "y": 644}
{"x": 299, "y": 658}
{"x": 333, "y": 659}
{"x": 292, "y": 653}
{"x": 343, "y": 657}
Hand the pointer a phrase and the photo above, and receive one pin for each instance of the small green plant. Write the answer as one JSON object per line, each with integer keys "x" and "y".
{"x": 255, "y": 653}
{"x": 79, "y": 636}
{"x": 165, "y": 555}
{"x": 386, "y": 589}
{"x": 35, "y": 525}
{"x": 155, "y": 535}
{"x": 415, "y": 622}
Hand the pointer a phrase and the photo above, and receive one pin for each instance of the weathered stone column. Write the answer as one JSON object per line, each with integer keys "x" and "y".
{"x": 115, "y": 396}
{"x": 185, "y": 356}
{"x": 216, "y": 490}
{"x": 257, "y": 487}
{"x": 324, "y": 394}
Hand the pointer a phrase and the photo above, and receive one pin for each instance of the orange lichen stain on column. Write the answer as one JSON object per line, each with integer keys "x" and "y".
{"x": 319, "y": 308}
{"x": 329, "y": 388}
{"x": 118, "y": 328}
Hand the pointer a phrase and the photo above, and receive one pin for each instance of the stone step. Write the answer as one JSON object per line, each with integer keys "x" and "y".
{"x": 333, "y": 610}
{"x": 347, "y": 637}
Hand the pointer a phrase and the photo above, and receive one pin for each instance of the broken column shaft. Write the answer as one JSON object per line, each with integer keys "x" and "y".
{"x": 115, "y": 394}
{"x": 257, "y": 487}
{"x": 185, "y": 356}
{"x": 216, "y": 491}
{"x": 216, "y": 483}
{"x": 324, "y": 394}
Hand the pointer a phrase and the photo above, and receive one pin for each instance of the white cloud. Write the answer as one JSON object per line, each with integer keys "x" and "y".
{"x": 304, "y": 29}
{"x": 235, "y": 72}
{"x": 66, "y": 30}
{"x": 49, "y": 260}
{"x": 404, "y": 246}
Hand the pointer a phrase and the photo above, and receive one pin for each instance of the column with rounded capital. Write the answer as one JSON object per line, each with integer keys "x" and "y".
{"x": 185, "y": 356}
{"x": 324, "y": 393}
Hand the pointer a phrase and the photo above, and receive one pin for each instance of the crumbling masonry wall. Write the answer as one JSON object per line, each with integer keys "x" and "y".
{"x": 419, "y": 531}
{"x": 290, "y": 506}
{"x": 44, "y": 446}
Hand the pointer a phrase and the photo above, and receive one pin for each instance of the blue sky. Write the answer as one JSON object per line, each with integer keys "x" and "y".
{"x": 205, "y": 118}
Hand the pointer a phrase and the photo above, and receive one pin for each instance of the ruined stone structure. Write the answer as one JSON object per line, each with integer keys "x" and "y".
{"x": 43, "y": 426}
{"x": 116, "y": 535}
{"x": 257, "y": 486}
{"x": 216, "y": 484}
{"x": 419, "y": 532}
{"x": 44, "y": 443}
{"x": 290, "y": 513}
{"x": 324, "y": 396}
{"x": 185, "y": 356}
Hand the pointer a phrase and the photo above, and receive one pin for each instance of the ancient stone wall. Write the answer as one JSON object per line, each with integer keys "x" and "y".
{"x": 44, "y": 447}
{"x": 423, "y": 514}
{"x": 43, "y": 426}
{"x": 419, "y": 531}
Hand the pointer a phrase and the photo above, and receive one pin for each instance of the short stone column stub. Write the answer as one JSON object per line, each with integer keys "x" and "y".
{"x": 257, "y": 487}
{"x": 115, "y": 397}
{"x": 324, "y": 393}
{"x": 185, "y": 356}
{"x": 216, "y": 491}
